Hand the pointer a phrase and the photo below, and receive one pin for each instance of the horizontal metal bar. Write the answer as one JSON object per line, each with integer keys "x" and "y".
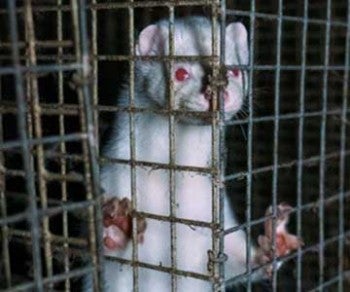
{"x": 50, "y": 68}
{"x": 69, "y": 207}
{"x": 69, "y": 177}
{"x": 174, "y": 219}
{"x": 158, "y": 165}
{"x": 297, "y": 67}
{"x": 262, "y": 67}
{"x": 71, "y": 57}
{"x": 9, "y": 219}
{"x": 255, "y": 67}
{"x": 53, "y": 279}
{"x": 106, "y": 160}
{"x": 168, "y": 58}
{"x": 24, "y": 236}
{"x": 122, "y": 5}
{"x": 7, "y": 107}
{"x": 179, "y": 58}
{"x": 306, "y": 162}
{"x": 160, "y": 268}
{"x": 178, "y": 3}
{"x": 140, "y": 4}
{"x": 73, "y": 109}
{"x": 22, "y": 196}
{"x": 44, "y": 140}
{"x": 140, "y": 163}
{"x": 40, "y": 44}
{"x": 301, "y": 19}
{"x": 288, "y": 116}
{"x": 76, "y": 177}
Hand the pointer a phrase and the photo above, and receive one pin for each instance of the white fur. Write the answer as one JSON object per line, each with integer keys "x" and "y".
{"x": 193, "y": 191}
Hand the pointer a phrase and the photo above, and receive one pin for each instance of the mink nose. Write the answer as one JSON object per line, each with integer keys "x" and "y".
{"x": 208, "y": 94}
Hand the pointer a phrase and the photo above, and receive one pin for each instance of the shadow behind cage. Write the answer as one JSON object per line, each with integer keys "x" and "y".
{"x": 61, "y": 63}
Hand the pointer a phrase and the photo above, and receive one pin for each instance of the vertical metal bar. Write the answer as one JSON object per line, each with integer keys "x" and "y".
{"x": 172, "y": 153}
{"x": 132, "y": 144}
{"x": 63, "y": 166}
{"x": 89, "y": 146}
{"x": 322, "y": 169}
{"x": 30, "y": 126}
{"x": 94, "y": 39}
{"x": 275, "y": 137}
{"x": 342, "y": 157}
{"x": 214, "y": 154}
{"x": 250, "y": 142}
{"x": 92, "y": 144}
{"x": 95, "y": 100}
{"x": 34, "y": 96}
{"x": 25, "y": 148}
{"x": 301, "y": 142}
{"x": 3, "y": 207}
{"x": 221, "y": 145}
{"x": 217, "y": 135}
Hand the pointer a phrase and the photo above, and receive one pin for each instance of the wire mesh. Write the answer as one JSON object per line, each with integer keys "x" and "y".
{"x": 36, "y": 175}
{"x": 58, "y": 85}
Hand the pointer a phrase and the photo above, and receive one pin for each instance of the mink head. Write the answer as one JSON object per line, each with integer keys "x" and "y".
{"x": 191, "y": 79}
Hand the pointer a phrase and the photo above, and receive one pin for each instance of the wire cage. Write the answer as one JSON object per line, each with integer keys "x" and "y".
{"x": 62, "y": 64}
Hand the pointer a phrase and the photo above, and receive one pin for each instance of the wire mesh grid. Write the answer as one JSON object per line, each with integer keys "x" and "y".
{"x": 57, "y": 90}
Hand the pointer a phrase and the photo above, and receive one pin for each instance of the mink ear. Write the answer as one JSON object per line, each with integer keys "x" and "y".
{"x": 150, "y": 42}
{"x": 237, "y": 33}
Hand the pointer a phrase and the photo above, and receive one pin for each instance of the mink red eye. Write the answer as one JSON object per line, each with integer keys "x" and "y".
{"x": 234, "y": 72}
{"x": 181, "y": 74}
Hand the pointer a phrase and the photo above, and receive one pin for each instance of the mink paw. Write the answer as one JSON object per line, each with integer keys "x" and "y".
{"x": 285, "y": 242}
{"x": 117, "y": 222}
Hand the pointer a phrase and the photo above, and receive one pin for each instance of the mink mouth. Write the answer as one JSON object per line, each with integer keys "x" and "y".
{"x": 188, "y": 114}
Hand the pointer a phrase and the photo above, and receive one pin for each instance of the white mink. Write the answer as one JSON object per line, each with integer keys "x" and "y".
{"x": 193, "y": 191}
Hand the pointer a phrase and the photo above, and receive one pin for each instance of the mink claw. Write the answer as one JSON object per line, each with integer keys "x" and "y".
{"x": 284, "y": 241}
{"x": 117, "y": 222}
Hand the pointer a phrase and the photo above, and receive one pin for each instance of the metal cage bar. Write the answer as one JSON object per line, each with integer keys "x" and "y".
{"x": 172, "y": 153}
{"x": 132, "y": 150}
{"x": 3, "y": 208}
{"x": 250, "y": 140}
{"x": 89, "y": 147}
{"x": 217, "y": 48}
{"x": 342, "y": 159}
{"x": 301, "y": 142}
{"x": 276, "y": 133}
{"x": 323, "y": 148}
{"x": 222, "y": 138}
{"x": 36, "y": 117}
{"x": 63, "y": 150}
{"x": 26, "y": 156}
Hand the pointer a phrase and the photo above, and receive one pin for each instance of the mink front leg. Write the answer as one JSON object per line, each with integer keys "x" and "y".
{"x": 284, "y": 243}
{"x": 117, "y": 222}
